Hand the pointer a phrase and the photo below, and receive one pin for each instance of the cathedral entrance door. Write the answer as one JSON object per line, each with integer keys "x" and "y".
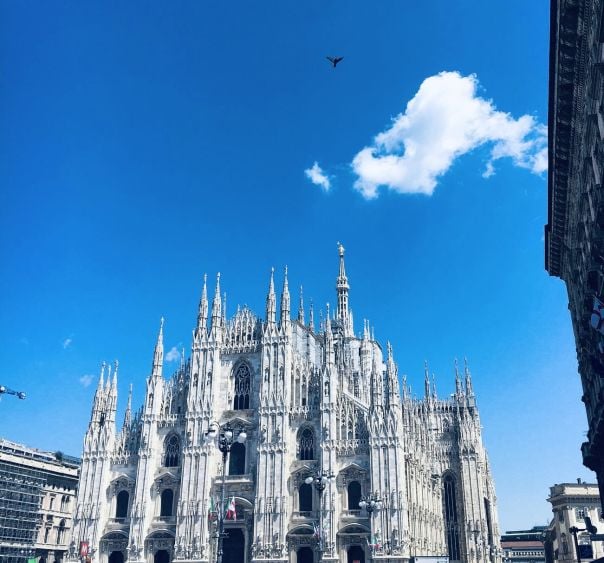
{"x": 305, "y": 555}
{"x": 356, "y": 554}
{"x": 233, "y": 546}
{"x": 161, "y": 556}
{"x": 116, "y": 557}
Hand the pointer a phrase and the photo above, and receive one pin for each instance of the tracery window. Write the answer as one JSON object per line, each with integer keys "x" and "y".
{"x": 242, "y": 388}
{"x": 171, "y": 451}
{"x": 61, "y": 532}
{"x": 307, "y": 444}
{"x": 451, "y": 519}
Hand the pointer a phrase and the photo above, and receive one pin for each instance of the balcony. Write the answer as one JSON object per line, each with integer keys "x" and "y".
{"x": 354, "y": 514}
{"x": 303, "y": 514}
{"x": 118, "y": 522}
{"x": 238, "y": 479}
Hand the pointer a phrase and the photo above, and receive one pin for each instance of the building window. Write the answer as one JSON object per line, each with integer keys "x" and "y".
{"x": 305, "y": 497}
{"x": 237, "y": 459}
{"x": 354, "y": 495}
{"x": 65, "y": 503}
{"x": 243, "y": 381}
{"x": 307, "y": 443}
{"x": 46, "y": 532}
{"x": 171, "y": 451}
{"x": 121, "y": 504}
{"x": 451, "y": 520}
{"x": 52, "y": 502}
{"x": 579, "y": 513}
{"x": 167, "y": 500}
{"x": 61, "y": 532}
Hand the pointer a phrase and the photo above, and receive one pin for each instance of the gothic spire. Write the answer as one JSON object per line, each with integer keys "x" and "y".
{"x": 128, "y": 413}
{"x": 285, "y": 300}
{"x": 114, "y": 380}
{"x": 202, "y": 315}
{"x": 426, "y": 380}
{"x": 469, "y": 388}
{"x": 392, "y": 372}
{"x": 158, "y": 354}
{"x": 342, "y": 287}
{"x": 101, "y": 384}
{"x": 271, "y": 300}
{"x": 217, "y": 304}
{"x": 458, "y": 388}
{"x": 311, "y": 317}
{"x": 301, "y": 307}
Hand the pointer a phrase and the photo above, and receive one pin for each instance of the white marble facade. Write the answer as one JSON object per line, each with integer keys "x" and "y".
{"x": 310, "y": 397}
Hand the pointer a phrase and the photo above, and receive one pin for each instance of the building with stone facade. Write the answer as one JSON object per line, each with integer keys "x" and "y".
{"x": 524, "y": 546}
{"x": 574, "y": 235}
{"x": 571, "y": 502}
{"x": 37, "y": 498}
{"x": 309, "y": 398}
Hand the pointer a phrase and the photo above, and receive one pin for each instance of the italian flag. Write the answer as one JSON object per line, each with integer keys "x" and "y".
{"x": 212, "y": 513}
{"x": 231, "y": 513}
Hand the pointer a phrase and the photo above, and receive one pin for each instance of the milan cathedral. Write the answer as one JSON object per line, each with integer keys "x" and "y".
{"x": 332, "y": 459}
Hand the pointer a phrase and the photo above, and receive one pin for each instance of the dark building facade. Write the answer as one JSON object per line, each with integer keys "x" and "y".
{"x": 574, "y": 235}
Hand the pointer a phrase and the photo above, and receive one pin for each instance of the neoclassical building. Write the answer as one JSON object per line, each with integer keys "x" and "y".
{"x": 309, "y": 399}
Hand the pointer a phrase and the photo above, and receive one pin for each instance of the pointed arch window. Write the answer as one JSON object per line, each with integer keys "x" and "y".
{"x": 172, "y": 451}
{"x": 61, "y": 532}
{"x": 243, "y": 384}
{"x": 307, "y": 444}
{"x": 451, "y": 517}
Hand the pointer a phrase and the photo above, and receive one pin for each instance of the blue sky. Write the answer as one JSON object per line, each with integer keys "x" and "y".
{"x": 143, "y": 144}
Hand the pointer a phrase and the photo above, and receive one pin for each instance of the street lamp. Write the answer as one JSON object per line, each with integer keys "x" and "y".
{"x": 320, "y": 480}
{"x": 371, "y": 503}
{"x": 225, "y": 438}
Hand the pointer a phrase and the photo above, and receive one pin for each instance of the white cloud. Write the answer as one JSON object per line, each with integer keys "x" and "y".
{"x": 173, "y": 355}
{"x": 67, "y": 343}
{"x": 86, "y": 380}
{"x": 444, "y": 120}
{"x": 318, "y": 177}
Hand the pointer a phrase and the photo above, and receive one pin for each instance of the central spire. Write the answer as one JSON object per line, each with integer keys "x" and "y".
{"x": 342, "y": 313}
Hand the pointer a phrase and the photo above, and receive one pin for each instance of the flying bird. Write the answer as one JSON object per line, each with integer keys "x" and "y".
{"x": 334, "y": 60}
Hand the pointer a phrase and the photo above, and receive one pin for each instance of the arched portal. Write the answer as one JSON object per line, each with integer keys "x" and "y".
{"x": 356, "y": 554}
{"x": 161, "y": 556}
{"x": 305, "y": 555}
{"x": 116, "y": 557}
{"x": 233, "y": 546}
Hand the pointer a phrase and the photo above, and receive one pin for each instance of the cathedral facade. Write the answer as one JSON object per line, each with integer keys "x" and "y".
{"x": 404, "y": 477}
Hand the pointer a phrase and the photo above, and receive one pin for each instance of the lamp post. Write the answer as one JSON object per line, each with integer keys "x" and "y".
{"x": 371, "y": 503}
{"x": 320, "y": 480}
{"x": 225, "y": 438}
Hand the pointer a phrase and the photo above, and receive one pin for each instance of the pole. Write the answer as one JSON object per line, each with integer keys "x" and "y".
{"x": 573, "y": 530}
{"x": 225, "y": 452}
{"x": 320, "y": 550}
